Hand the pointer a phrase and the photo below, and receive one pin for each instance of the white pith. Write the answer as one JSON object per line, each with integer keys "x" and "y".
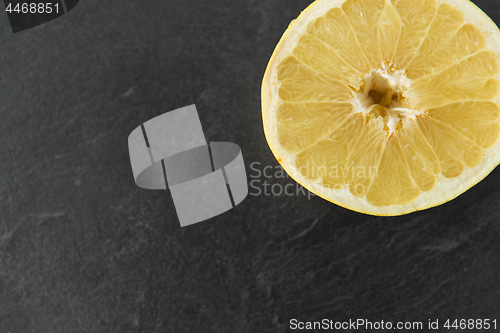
{"x": 385, "y": 79}
{"x": 446, "y": 190}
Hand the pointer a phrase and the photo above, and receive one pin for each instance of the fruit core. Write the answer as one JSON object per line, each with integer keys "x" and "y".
{"x": 382, "y": 94}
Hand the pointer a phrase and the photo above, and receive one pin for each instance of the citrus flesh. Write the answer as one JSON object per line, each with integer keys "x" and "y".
{"x": 385, "y": 106}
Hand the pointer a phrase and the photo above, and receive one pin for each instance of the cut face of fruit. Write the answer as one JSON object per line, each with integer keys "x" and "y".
{"x": 386, "y": 106}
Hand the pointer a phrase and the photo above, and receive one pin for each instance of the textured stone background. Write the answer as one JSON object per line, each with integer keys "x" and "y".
{"x": 82, "y": 249}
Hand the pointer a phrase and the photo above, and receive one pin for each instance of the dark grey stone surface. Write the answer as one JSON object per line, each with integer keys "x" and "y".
{"x": 82, "y": 249}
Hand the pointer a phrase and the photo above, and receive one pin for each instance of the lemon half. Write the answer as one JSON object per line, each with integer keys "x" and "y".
{"x": 385, "y": 107}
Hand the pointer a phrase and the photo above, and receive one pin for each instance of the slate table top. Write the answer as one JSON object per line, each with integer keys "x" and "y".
{"x": 83, "y": 249}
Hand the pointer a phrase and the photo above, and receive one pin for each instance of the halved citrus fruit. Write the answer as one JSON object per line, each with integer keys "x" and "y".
{"x": 385, "y": 106}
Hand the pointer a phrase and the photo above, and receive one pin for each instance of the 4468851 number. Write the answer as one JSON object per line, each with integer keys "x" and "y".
{"x": 471, "y": 324}
{"x": 32, "y": 8}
